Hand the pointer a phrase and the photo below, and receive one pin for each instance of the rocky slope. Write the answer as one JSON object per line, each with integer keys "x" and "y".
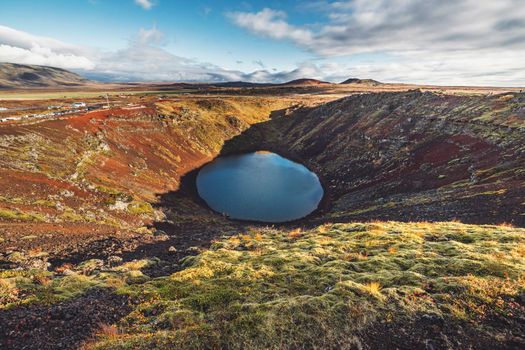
{"x": 71, "y": 186}
{"x": 409, "y": 156}
{"x": 30, "y": 76}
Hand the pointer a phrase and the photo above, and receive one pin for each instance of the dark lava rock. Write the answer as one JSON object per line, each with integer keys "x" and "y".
{"x": 60, "y": 326}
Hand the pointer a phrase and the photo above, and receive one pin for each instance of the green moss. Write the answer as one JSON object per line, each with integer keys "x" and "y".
{"x": 279, "y": 289}
{"x": 272, "y": 288}
{"x": 37, "y": 286}
{"x": 140, "y": 208}
{"x": 16, "y": 215}
{"x": 69, "y": 215}
{"x": 20, "y": 287}
{"x": 110, "y": 222}
{"x": 73, "y": 285}
{"x": 45, "y": 203}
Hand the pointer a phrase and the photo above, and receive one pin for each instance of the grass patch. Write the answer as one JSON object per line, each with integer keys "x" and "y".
{"x": 45, "y": 203}
{"x": 16, "y": 215}
{"x": 69, "y": 215}
{"x": 140, "y": 208}
{"x": 22, "y": 287}
{"x": 272, "y": 289}
{"x": 283, "y": 289}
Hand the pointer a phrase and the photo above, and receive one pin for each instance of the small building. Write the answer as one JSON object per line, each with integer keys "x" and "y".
{"x": 9, "y": 119}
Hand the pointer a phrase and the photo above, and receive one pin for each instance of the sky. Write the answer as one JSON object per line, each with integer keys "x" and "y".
{"x": 443, "y": 42}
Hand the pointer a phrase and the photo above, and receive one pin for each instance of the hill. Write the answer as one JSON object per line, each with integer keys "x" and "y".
{"x": 239, "y": 84}
{"x": 370, "y": 82}
{"x": 30, "y": 76}
{"x": 304, "y": 82}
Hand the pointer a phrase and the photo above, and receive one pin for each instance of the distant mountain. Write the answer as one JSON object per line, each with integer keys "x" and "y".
{"x": 361, "y": 81}
{"x": 239, "y": 84}
{"x": 305, "y": 82}
{"x": 19, "y": 76}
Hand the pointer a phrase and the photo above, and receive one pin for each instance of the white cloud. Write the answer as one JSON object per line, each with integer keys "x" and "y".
{"x": 398, "y": 25}
{"x": 145, "y": 4}
{"x": 43, "y": 56}
{"x": 20, "y": 47}
{"x": 492, "y": 68}
{"x": 151, "y": 36}
{"x": 270, "y": 23}
{"x": 143, "y": 59}
{"x": 438, "y": 41}
{"x": 496, "y": 60}
{"x": 17, "y": 38}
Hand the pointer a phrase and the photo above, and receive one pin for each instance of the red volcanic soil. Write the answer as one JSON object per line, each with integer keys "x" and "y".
{"x": 75, "y": 185}
{"x": 14, "y": 183}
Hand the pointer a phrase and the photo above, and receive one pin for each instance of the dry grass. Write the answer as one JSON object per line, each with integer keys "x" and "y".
{"x": 267, "y": 288}
{"x": 293, "y": 234}
{"x": 373, "y": 288}
{"x": 273, "y": 289}
{"x": 108, "y": 331}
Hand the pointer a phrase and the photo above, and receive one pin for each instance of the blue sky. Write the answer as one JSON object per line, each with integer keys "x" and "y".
{"x": 193, "y": 29}
{"x": 460, "y": 42}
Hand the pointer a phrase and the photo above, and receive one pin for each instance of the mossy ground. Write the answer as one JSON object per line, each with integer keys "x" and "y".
{"x": 325, "y": 286}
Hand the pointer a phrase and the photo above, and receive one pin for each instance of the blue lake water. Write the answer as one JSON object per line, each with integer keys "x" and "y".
{"x": 259, "y": 186}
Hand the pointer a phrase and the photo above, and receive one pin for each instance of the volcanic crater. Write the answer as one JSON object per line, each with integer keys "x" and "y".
{"x": 403, "y": 156}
